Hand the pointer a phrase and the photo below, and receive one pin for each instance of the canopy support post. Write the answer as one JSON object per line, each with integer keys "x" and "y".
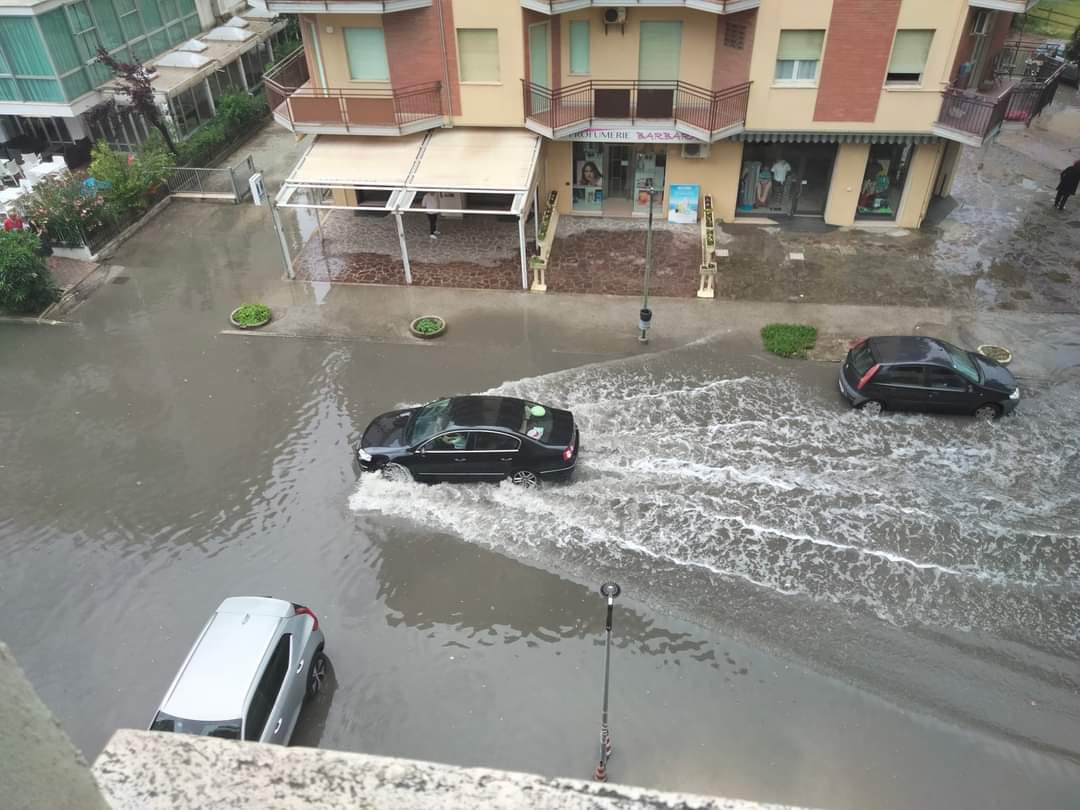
{"x": 524, "y": 261}
{"x": 404, "y": 248}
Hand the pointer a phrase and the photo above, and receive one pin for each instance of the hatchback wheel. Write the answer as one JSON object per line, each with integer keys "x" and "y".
{"x": 872, "y": 407}
{"x": 526, "y": 479}
{"x": 396, "y": 472}
{"x": 987, "y": 413}
{"x": 317, "y": 676}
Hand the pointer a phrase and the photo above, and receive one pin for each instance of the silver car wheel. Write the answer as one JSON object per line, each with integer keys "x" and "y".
{"x": 986, "y": 413}
{"x": 526, "y": 479}
{"x": 396, "y": 472}
{"x": 318, "y": 674}
{"x": 873, "y": 408}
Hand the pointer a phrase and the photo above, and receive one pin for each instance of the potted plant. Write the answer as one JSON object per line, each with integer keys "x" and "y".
{"x": 427, "y": 327}
{"x": 250, "y": 316}
{"x": 997, "y": 353}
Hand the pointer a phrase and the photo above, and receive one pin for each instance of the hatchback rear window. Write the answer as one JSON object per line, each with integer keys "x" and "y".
{"x": 862, "y": 359}
{"x": 226, "y": 729}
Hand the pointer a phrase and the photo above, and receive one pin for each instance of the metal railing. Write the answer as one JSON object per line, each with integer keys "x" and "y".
{"x": 293, "y": 98}
{"x": 634, "y": 101}
{"x": 982, "y": 116}
{"x": 212, "y": 183}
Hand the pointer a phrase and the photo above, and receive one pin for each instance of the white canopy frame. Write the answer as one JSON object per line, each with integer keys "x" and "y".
{"x": 306, "y": 182}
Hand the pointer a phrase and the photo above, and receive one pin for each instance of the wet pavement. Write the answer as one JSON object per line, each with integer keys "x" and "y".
{"x": 819, "y": 608}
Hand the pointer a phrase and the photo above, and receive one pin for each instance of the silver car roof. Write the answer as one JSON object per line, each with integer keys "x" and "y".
{"x": 219, "y": 673}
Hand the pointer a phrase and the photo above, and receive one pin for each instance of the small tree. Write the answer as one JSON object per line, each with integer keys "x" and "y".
{"x": 133, "y": 81}
{"x": 25, "y": 282}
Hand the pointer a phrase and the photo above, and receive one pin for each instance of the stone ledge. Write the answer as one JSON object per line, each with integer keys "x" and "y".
{"x": 140, "y": 770}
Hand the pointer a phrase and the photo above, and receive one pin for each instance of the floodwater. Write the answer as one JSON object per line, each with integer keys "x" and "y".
{"x": 818, "y": 608}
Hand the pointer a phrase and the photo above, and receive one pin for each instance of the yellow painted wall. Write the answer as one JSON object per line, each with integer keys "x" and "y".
{"x": 499, "y": 103}
{"x": 717, "y": 175}
{"x": 920, "y": 181}
{"x": 332, "y": 43}
{"x": 902, "y": 109}
{"x": 559, "y": 156}
{"x": 847, "y": 178}
{"x": 614, "y": 55}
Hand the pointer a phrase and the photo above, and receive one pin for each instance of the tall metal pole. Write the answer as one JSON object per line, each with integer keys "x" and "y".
{"x": 609, "y": 590}
{"x": 645, "y": 318}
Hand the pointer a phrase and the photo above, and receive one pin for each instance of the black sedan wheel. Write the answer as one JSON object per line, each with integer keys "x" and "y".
{"x": 526, "y": 479}
{"x": 873, "y": 407}
{"x": 987, "y": 413}
{"x": 393, "y": 471}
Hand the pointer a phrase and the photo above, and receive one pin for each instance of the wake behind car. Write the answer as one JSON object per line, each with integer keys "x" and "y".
{"x": 472, "y": 438}
{"x": 248, "y": 673}
{"x": 925, "y": 374}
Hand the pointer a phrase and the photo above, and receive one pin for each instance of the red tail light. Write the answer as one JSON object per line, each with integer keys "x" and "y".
{"x": 306, "y": 611}
{"x": 568, "y": 453}
{"x": 868, "y": 375}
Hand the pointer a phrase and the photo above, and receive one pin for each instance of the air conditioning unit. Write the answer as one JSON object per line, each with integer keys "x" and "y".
{"x": 615, "y": 16}
{"x": 695, "y": 151}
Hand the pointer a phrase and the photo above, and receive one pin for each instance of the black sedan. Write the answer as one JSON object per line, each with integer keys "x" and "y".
{"x": 473, "y": 438}
{"x": 925, "y": 374}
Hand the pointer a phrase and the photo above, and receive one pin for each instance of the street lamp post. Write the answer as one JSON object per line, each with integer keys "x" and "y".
{"x": 609, "y": 590}
{"x": 645, "y": 319}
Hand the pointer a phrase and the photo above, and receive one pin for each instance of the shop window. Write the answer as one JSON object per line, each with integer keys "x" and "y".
{"x": 579, "y": 47}
{"x": 588, "y": 180}
{"x": 650, "y": 169}
{"x": 909, "y": 54}
{"x": 798, "y": 56}
{"x": 478, "y": 54}
{"x": 883, "y": 182}
{"x": 366, "y": 51}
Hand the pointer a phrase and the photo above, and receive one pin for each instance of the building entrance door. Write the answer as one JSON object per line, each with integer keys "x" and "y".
{"x": 619, "y": 172}
{"x": 814, "y": 174}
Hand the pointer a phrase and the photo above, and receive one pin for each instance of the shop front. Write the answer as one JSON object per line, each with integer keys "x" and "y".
{"x": 785, "y": 179}
{"x": 884, "y": 181}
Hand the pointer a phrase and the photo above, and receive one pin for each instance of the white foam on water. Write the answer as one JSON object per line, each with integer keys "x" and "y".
{"x": 946, "y": 522}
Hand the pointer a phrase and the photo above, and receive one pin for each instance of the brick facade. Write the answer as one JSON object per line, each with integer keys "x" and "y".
{"x": 734, "y": 47}
{"x": 857, "y": 51}
{"x": 414, "y": 48}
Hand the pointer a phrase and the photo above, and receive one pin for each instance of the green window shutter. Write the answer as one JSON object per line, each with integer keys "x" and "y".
{"x": 75, "y": 85}
{"x": 131, "y": 26}
{"x": 910, "y": 51}
{"x": 191, "y": 26}
{"x": 141, "y": 50}
{"x": 478, "y": 54}
{"x": 169, "y": 11}
{"x": 107, "y": 22}
{"x": 8, "y": 90}
{"x": 59, "y": 41}
{"x": 20, "y": 41}
{"x": 40, "y": 90}
{"x": 579, "y": 46}
{"x": 159, "y": 41}
{"x": 366, "y": 50}
{"x": 658, "y": 57}
{"x": 151, "y": 14}
{"x": 800, "y": 45}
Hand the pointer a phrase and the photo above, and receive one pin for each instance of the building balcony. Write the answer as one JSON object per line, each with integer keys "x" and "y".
{"x": 344, "y": 6}
{"x": 301, "y": 106}
{"x": 707, "y": 115}
{"x": 715, "y": 6}
{"x": 1015, "y": 6}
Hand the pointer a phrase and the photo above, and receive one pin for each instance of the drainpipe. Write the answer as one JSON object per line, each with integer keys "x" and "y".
{"x": 446, "y": 66}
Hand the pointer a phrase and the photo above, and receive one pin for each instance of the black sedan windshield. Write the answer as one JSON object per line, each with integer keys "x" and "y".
{"x": 431, "y": 419}
{"x": 963, "y": 363}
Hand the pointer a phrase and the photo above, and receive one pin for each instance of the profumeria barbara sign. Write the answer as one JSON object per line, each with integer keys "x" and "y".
{"x": 633, "y": 136}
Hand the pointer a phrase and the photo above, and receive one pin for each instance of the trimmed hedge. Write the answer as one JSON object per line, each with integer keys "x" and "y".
{"x": 789, "y": 339}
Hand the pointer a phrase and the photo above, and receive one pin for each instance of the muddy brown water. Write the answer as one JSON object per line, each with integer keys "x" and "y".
{"x": 819, "y": 608}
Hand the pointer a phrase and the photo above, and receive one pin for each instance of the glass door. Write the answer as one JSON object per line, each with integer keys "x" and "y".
{"x": 618, "y": 172}
{"x": 814, "y": 173}
{"x": 538, "y": 66}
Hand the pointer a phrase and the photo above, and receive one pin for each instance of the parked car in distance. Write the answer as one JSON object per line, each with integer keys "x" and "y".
{"x": 925, "y": 374}
{"x": 472, "y": 438}
{"x": 248, "y": 673}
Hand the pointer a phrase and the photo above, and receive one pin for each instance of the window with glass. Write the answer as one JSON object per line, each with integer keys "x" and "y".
{"x": 659, "y": 51}
{"x": 650, "y": 169}
{"x": 448, "y": 443}
{"x": 884, "y": 180}
{"x": 478, "y": 54}
{"x": 366, "y": 52}
{"x": 798, "y": 56}
{"x": 910, "y": 52}
{"x": 579, "y": 47}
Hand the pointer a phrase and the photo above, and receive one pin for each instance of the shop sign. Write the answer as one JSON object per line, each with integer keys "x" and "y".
{"x": 634, "y": 136}
{"x": 683, "y": 203}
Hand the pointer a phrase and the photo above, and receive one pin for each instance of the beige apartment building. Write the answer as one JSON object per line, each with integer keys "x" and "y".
{"x": 849, "y": 111}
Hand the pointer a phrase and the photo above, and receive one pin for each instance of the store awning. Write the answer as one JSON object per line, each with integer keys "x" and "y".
{"x": 832, "y": 137}
{"x": 454, "y": 161}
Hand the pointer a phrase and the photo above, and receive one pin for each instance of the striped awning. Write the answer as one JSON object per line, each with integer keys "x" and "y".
{"x": 832, "y": 137}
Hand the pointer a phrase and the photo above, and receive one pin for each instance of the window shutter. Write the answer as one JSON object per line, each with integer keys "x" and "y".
{"x": 366, "y": 50}
{"x": 658, "y": 58}
{"x": 478, "y": 53}
{"x": 800, "y": 45}
{"x": 910, "y": 51}
{"x": 579, "y": 46}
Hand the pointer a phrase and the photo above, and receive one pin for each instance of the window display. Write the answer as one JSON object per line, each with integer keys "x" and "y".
{"x": 650, "y": 164}
{"x": 883, "y": 181}
{"x": 785, "y": 179}
{"x": 588, "y": 181}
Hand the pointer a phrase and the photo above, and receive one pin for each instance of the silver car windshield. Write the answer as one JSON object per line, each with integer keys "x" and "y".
{"x": 226, "y": 729}
{"x": 431, "y": 419}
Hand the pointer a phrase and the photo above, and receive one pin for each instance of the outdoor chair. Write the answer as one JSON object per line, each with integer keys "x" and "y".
{"x": 30, "y": 159}
{"x": 10, "y": 171}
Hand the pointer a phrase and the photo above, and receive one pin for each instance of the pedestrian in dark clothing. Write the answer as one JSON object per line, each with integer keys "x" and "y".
{"x": 1070, "y": 179}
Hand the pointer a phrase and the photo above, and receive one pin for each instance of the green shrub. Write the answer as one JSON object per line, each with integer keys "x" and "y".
{"x": 251, "y": 314}
{"x": 133, "y": 178}
{"x": 236, "y": 113}
{"x": 25, "y": 282}
{"x": 61, "y": 212}
{"x": 789, "y": 339}
{"x": 428, "y": 326}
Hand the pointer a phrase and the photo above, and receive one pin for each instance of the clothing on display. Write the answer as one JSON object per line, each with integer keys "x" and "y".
{"x": 780, "y": 170}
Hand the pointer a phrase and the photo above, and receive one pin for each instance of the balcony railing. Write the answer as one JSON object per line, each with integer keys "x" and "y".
{"x": 301, "y": 107}
{"x": 707, "y": 114}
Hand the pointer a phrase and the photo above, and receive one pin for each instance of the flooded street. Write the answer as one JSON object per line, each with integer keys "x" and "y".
{"x": 818, "y": 608}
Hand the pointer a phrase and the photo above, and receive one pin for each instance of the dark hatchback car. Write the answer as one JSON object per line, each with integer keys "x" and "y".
{"x": 925, "y": 374}
{"x": 472, "y": 438}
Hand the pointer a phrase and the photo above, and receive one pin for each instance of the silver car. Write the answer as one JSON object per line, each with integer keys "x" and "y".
{"x": 248, "y": 673}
